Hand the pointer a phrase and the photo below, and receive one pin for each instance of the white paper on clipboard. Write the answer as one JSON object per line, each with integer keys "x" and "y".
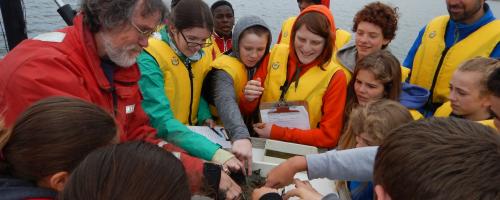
{"x": 299, "y": 119}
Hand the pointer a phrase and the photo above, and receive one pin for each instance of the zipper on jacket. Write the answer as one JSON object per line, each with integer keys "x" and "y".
{"x": 436, "y": 73}
{"x": 115, "y": 98}
{"x": 191, "y": 76}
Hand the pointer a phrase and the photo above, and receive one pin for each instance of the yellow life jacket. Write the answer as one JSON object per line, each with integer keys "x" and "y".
{"x": 238, "y": 73}
{"x": 182, "y": 91}
{"x": 235, "y": 69}
{"x": 342, "y": 37}
{"x": 312, "y": 87}
{"x": 427, "y": 71}
{"x": 213, "y": 50}
{"x": 415, "y": 114}
{"x": 445, "y": 110}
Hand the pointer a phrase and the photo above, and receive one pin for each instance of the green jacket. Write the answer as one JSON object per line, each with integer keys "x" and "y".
{"x": 157, "y": 106}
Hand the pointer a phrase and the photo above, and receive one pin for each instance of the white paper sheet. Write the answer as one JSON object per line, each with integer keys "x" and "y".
{"x": 298, "y": 119}
{"x": 212, "y": 136}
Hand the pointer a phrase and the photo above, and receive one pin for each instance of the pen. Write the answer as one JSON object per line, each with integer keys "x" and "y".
{"x": 219, "y": 134}
{"x": 224, "y": 133}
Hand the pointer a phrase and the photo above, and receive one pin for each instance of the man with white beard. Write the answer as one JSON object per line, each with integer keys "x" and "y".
{"x": 94, "y": 60}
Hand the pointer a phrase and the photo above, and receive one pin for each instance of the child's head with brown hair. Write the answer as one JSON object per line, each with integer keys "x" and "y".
{"x": 439, "y": 158}
{"x": 190, "y": 25}
{"x": 376, "y": 76}
{"x": 51, "y": 137}
{"x": 375, "y": 27}
{"x": 133, "y": 170}
{"x": 369, "y": 125}
{"x": 313, "y": 36}
{"x": 469, "y": 95}
{"x": 493, "y": 84}
{"x": 251, "y": 40}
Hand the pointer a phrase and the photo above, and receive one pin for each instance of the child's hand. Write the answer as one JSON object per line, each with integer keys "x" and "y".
{"x": 209, "y": 122}
{"x": 226, "y": 185}
{"x": 242, "y": 149}
{"x": 263, "y": 129}
{"x": 253, "y": 90}
{"x": 233, "y": 165}
{"x": 303, "y": 190}
{"x": 283, "y": 174}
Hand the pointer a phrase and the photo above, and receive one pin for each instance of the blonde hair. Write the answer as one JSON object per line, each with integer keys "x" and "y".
{"x": 482, "y": 65}
{"x": 376, "y": 119}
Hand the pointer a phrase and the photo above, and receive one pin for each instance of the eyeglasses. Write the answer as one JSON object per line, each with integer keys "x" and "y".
{"x": 195, "y": 44}
{"x": 143, "y": 33}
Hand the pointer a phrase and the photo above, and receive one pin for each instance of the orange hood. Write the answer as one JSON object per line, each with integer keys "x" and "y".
{"x": 293, "y": 60}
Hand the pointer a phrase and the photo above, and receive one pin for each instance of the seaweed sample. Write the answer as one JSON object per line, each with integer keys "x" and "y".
{"x": 247, "y": 183}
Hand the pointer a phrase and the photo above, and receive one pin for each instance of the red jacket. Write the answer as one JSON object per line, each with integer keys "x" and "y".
{"x": 70, "y": 66}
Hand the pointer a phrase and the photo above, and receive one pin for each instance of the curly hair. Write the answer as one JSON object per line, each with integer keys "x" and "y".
{"x": 380, "y": 14}
{"x": 98, "y": 14}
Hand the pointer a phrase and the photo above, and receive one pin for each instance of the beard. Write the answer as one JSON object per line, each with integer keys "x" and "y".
{"x": 121, "y": 56}
{"x": 466, "y": 14}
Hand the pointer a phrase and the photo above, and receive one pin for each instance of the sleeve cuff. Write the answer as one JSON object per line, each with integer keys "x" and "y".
{"x": 313, "y": 170}
{"x": 277, "y": 132}
{"x": 221, "y": 156}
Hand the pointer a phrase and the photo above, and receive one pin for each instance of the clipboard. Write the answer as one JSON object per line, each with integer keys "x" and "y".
{"x": 293, "y": 114}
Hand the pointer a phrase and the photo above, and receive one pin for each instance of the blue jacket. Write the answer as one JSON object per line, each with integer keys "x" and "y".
{"x": 463, "y": 30}
{"x": 15, "y": 189}
{"x": 413, "y": 96}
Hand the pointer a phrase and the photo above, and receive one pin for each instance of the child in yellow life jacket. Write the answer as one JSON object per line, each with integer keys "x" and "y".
{"x": 233, "y": 73}
{"x": 369, "y": 125}
{"x": 173, "y": 68}
{"x": 378, "y": 76}
{"x": 305, "y": 69}
{"x": 375, "y": 27}
{"x": 469, "y": 97}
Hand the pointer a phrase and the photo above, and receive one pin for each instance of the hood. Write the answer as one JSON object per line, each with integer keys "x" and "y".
{"x": 323, "y": 2}
{"x": 347, "y": 56}
{"x": 12, "y": 188}
{"x": 413, "y": 96}
{"x": 244, "y": 23}
{"x": 314, "y": 8}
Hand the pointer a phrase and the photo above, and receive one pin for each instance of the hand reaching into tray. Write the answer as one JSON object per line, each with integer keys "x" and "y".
{"x": 283, "y": 174}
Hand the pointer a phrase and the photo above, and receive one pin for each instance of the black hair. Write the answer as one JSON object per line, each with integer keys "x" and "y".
{"x": 221, "y": 3}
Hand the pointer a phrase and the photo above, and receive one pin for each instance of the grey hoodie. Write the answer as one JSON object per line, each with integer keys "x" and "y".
{"x": 351, "y": 164}
{"x": 347, "y": 56}
{"x": 222, "y": 84}
{"x": 243, "y": 24}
